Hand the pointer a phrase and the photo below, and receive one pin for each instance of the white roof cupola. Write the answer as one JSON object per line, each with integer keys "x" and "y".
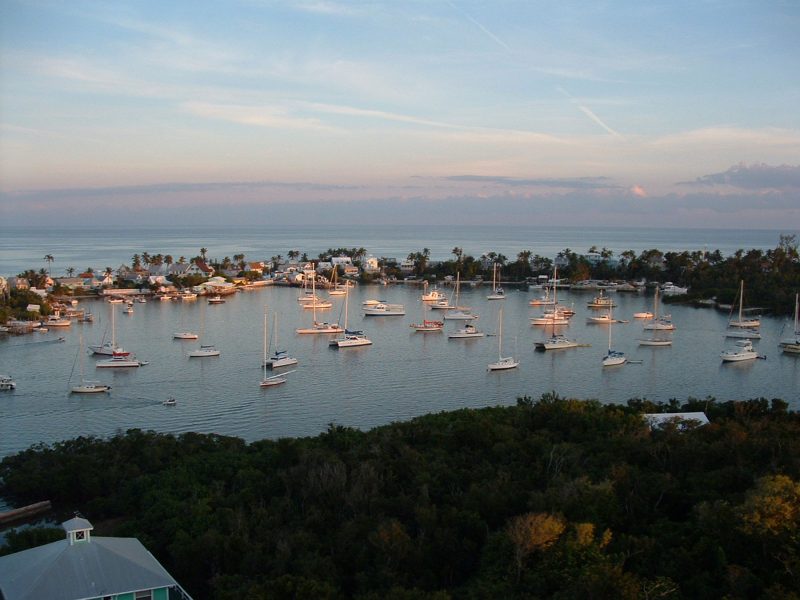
{"x": 78, "y": 530}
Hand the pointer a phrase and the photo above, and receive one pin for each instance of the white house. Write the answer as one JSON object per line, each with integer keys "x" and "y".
{"x": 371, "y": 265}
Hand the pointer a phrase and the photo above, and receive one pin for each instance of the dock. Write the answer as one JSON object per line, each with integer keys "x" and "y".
{"x": 25, "y": 512}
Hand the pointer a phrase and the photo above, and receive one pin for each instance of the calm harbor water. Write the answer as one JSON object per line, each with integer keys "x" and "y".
{"x": 403, "y": 374}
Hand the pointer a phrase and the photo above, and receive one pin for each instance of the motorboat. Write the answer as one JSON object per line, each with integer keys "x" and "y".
{"x": 643, "y": 315}
{"x": 351, "y": 339}
{"x": 742, "y": 351}
{"x": 557, "y": 341}
{"x": 170, "y": 401}
{"x": 184, "y": 335}
{"x": 670, "y": 289}
{"x": 216, "y": 300}
{"x": 383, "y": 309}
{"x": 434, "y": 296}
{"x": 6, "y": 383}
{"x": 442, "y": 304}
{"x": 601, "y": 301}
{"x": 748, "y": 334}
{"x": 204, "y": 351}
{"x": 468, "y": 331}
{"x": 57, "y": 320}
{"x": 554, "y": 318}
{"x": 600, "y": 320}
{"x": 119, "y": 360}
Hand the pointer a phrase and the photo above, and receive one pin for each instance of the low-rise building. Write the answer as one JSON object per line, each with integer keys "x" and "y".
{"x": 85, "y": 567}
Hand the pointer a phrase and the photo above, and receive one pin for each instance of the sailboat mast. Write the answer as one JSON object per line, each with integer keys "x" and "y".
{"x": 265, "y": 342}
{"x": 741, "y": 299}
{"x": 346, "y": 302}
{"x": 113, "y": 329}
{"x": 500, "y": 335}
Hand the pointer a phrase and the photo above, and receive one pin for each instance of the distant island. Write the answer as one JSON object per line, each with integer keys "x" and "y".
{"x": 772, "y": 277}
{"x": 553, "y": 498}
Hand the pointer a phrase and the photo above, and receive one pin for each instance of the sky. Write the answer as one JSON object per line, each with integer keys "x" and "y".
{"x": 657, "y": 114}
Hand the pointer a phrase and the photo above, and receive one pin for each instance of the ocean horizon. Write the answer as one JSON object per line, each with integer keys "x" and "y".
{"x": 24, "y": 248}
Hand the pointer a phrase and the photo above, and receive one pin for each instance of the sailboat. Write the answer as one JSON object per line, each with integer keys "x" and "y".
{"x": 316, "y": 326}
{"x": 792, "y": 344}
{"x": 557, "y": 341}
{"x": 336, "y": 289}
{"x": 204, "y": 351}
{"x": 280, "y": 358}
{"x": 503, "y": 362}
{"x": 498, "y": 293}
{"x": 657, "y": 323}
{"x": 614, "y": 357}
{"x": 427, "y": 325}
{"x": 185, "y": 334}
{"x": 110, "y": 348}
{"x": 460, "y": 313}
{"x": 350, "y": 339}
{"x": 556, "y": 315}
{"x": 269, "y": 381}
{"x": 741, "y": 322}
{"x": 87, "y": 387}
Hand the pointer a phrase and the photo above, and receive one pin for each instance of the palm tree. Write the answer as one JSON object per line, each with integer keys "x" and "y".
{"x": 458, "y": 253}
{"x": 203, "y": 252}
{"x": 293, "y": 254}
{"x": 168, "y": 260}
{"x": 70, "y": 271}
{"x": 136, "y": 262}
{"x": 49, "y": 260}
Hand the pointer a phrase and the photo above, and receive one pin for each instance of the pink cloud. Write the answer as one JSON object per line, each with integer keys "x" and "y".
{"x": 638, "y": 191}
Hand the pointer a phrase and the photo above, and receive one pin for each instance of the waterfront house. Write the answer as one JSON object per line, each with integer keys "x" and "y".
{"x": 18, "y": 283}
{"x": 82, "y": 566}
{"x": 199, "y": 267}
{"x": 371, "y": 265}
{"x": 407, "y": 267}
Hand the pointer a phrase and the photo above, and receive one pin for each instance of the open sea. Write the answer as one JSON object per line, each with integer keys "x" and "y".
{"x": 402, "y": 375}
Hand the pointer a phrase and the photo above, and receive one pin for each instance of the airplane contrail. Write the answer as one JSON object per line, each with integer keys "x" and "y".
{"x": 585, "y": 110}
{"x": 479, "y": 26}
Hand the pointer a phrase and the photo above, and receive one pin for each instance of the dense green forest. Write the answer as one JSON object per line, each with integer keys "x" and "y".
{"x": 554, "y": 498}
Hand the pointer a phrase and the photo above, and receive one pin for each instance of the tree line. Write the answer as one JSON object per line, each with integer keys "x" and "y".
{"x": 550, "y": 498}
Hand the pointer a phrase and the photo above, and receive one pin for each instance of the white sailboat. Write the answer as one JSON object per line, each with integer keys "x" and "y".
{"x": 459, "y": 313}
{"x": 556, "y": 315}
{"x": 110, "y": 348}
{"x": 503, "y": 362}
{"x": 87, "y": 387}
{"x": 350, "y": 339}
{"x": 318, "y": 327}
{"x": 271, "y": 380}
{"x": 184, "y": 334}
{"x": 280, "y": 358}
{"x": 741, "y": 322}
{"x": 657, "y": 323}
{"x": 498, "y": 293}
{"x": 613, "y": 357}
{"x": 205, "y": 350}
